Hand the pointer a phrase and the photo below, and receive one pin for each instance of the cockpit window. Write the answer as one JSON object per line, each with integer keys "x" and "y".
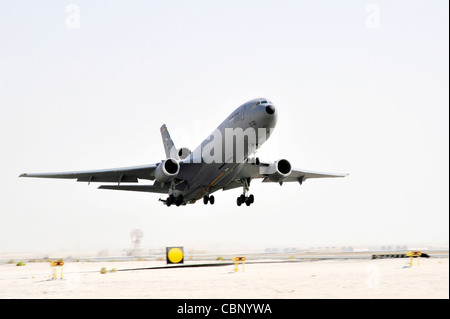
{"x": 254, "y": 103}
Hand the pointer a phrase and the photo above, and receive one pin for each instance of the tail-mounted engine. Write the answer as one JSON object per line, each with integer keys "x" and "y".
{"x": 183, "y": 152}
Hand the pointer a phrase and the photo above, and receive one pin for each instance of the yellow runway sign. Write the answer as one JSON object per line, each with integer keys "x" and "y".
{"x": 236, "y": 263}
{"x": 174, "y": 255}
{"x": 413, "y": 254}
{"x": 55, "y": 265}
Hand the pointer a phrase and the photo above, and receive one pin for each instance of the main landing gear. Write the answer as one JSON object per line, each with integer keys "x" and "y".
{"x": 244, "y": 199}
{"x": 177, "y": 200}
{"x": 208, "y": 198}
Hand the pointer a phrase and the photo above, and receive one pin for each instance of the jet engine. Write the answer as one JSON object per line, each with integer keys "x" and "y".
{"x": 279, "y": 170}
{"x": 183, "y": 152}
{"x": 167, "y": 170}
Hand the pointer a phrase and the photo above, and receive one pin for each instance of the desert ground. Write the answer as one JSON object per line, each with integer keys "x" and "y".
{"x": 298, "y": 279}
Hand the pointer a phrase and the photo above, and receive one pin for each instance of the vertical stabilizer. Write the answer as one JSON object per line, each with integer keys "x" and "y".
{"x": 169, "y": 146}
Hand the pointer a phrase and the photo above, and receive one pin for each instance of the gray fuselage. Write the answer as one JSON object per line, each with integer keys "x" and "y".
{"x": 222, "y": 154}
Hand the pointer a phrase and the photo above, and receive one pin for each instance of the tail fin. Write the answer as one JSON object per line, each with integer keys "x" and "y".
{"x": 169, "y": 146}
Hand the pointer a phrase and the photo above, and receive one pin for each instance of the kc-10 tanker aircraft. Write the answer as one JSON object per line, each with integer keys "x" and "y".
{"x": 221, "y": 161}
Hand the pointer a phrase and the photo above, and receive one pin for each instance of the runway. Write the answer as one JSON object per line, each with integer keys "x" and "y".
{"x": 262, "y": 279}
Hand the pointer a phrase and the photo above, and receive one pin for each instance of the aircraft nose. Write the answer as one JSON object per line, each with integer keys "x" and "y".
{"x": 270, "y": 109}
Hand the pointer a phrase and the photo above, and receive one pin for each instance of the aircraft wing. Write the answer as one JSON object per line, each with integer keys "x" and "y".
{"x": 298, "y": 175}
{"x": 254, "y": 170}
{"x": 114, "y": 175}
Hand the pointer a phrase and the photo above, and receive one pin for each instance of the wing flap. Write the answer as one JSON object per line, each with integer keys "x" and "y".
{"x": 114, "y": 178}
{"x": 137, "y": 188}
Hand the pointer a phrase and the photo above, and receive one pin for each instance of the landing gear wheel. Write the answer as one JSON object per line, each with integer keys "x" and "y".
{"x": 245, "y": 200}
{"x": 170, "y": 200}
{"x": 179, "y": 200}
{"x": 208, "y": 198}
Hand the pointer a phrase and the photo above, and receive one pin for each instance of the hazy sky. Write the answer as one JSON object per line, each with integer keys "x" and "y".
{"x": 361, "y": 88}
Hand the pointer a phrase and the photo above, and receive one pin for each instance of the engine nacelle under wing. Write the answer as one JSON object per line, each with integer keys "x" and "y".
{"x": 167, "y": 170}
{"x": 279, "y": 170}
